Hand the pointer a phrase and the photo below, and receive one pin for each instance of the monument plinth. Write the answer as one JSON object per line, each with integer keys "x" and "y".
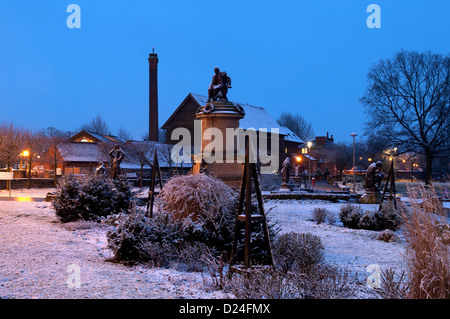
{"x": 214, "y": 158}
{"x": 219, "y": 157}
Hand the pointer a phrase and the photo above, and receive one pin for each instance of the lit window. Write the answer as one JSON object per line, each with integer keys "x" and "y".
{"x": 304, "y": 150}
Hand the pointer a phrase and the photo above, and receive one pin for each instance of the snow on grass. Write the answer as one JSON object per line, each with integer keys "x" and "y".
{"x": 344, "y": 247}
{"x": 35, "y": 250}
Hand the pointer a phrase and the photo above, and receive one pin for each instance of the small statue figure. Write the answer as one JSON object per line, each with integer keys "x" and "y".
{"x": 100, "y": 170}
{"x": 219, "y": 86}
{"x": 373, "y": 176}
{"x": 286, "y": 167}
{"x": 117, "y": 159}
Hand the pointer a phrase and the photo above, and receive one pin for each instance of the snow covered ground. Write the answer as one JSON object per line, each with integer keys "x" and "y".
{"x": 36, "y": 250}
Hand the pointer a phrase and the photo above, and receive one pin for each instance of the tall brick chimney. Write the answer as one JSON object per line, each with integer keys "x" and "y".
{"x": 153, "y": 128}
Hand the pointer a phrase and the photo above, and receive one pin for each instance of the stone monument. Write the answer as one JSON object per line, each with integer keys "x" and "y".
{"x": 372, "y": 194}
{"x": 220, "y": 114}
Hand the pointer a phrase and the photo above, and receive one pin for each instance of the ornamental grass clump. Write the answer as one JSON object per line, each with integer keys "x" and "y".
{"x": 428, "y": 256}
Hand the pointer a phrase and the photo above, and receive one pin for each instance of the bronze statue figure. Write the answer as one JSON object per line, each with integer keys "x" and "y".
{"x": 373, "y": 176}
{"x": 100, "y": 170}
{"x": 286, "y": 167}
{"x": 117, "y": 159}
{"x": 219, "y": 86}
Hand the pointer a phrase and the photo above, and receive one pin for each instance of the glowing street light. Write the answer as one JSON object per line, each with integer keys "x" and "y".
{"x": 354, "y": 165}
{"x": 309, "y": 162}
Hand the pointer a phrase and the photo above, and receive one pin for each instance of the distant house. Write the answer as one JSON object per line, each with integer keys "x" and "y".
{"x": 81, "y": 153}
{"x": 255, "y": 118}
{"x": 319, "y": 157}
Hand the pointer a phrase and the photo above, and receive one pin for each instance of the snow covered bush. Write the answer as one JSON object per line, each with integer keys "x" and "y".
{"x": 350, "y": 215}
{"x": 387, "y": 218}
{"x": 322, "y": 282}
{"x": 90, "y": 198}
{"x": 206, "y": 206}
{"x": 97, "y": 197}
{"x": 320, "y": 215}
{"x": 137, "y": 238}
{"x": 195, "y": 196}
{"x": 300, "y": 252}
{"x": 67, "y": 202}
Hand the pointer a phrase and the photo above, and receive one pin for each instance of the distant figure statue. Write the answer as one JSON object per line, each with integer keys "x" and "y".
{"x": 286, "y": 167}
{"x": 100, "y": 170}
{"x": 117, "y": 159}
{"x": 373, "y": 176}
{"x": 219, "y": 86}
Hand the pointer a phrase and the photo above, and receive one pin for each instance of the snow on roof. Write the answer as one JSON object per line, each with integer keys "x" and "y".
{"x": 81, "y": 152}
{"x": 162, "y": 149}
{"x": 257, "y": 118}
{"x": 105, "y": 138}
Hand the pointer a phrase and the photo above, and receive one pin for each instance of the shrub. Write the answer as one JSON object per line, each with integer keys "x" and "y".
{"x": 67, "y": 204}
{"x": 387, "y": 236}
{"x": 390, "y": 215}
{"x": 320, "y": 214}
{"x": 91, "y": 198}
{"x": 350, "y": 215}
{"x": 300, "y": 252}
{"x": 129, "y": 237}
{"x": 195, "y": 196}
{"x": 370, "y": 220}
{"x": 323, "y": 282}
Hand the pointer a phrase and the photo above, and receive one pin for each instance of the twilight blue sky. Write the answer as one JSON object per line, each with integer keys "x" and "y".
{"x": 307, "y": 57}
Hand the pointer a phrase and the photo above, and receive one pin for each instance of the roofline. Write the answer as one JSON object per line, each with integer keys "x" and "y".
{"x": 72, "y": 138}
{"x": 164, "y": 126}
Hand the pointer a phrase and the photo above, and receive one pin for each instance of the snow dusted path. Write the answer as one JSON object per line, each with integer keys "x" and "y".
{"x": 352, "y": 248}
{"x": 35, "y": 251}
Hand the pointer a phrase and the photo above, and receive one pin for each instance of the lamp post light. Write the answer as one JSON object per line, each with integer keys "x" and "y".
{"x": 309, "y": 163}
{"x": 354, "y": 165}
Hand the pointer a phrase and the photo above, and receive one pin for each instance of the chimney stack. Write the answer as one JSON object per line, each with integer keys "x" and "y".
{"x": 153, "y": 128}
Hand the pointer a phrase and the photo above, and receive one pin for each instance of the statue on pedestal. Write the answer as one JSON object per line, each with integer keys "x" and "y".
{"x": 372, "y": 194}
{"x": 219, "y": 86}
{"x": 373, "y": 176}
{"x": 285, "y": 175}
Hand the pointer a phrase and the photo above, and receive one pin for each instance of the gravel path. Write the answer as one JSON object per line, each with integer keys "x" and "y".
{"x": 36, "y": 251}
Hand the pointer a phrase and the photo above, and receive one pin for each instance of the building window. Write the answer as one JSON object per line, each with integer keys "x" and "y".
{"x": 285, "y": 150}
{"x": 305, "y": 150}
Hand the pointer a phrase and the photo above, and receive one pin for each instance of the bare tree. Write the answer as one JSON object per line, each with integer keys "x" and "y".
{"x": 142, "y": 154}
{"x": 53, "y": 141}
{"x": 34, "y": 144}
{"x": 342, "y": 155}
{"x": 408, "y": 104}
{"x": 123, "y": 134}
{"x": 297, "y": 124}
{"x": 11, "y": 144}
{"x": 97, "y": 125}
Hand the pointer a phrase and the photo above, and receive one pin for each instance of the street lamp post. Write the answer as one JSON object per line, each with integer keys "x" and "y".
{"x": 354, "y": 165}
{"x": 309, "y": 163}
